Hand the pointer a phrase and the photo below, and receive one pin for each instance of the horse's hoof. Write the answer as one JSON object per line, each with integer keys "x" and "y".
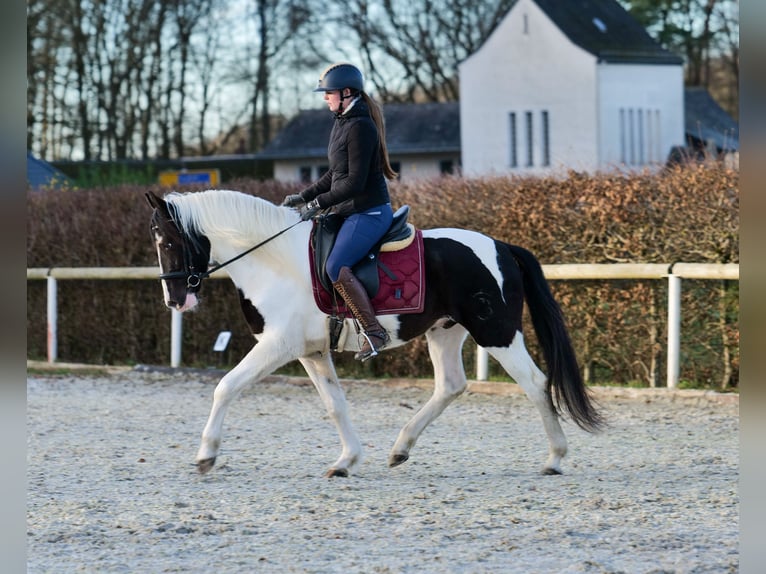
{"x": 342, "y": 472}
{"x": 397, "y": 459}
{"x": 205, "y": 465}
{"x": 551, "y": 471}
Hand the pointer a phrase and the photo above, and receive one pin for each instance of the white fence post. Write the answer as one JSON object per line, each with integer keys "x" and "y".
{"x": 52, "y": 311}
{"x": 674, "y": 330}
{"x": 176, "y": 336}
{"x": 482, "y": 364}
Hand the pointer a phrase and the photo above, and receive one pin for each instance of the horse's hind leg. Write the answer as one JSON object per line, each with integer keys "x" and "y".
{"x": 518, "y": 364}
{"x": 444, "y": 348}
{"x": 325, "y": 379}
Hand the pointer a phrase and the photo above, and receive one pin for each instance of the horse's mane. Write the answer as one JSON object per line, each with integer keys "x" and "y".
{"x": 230, "y": 215}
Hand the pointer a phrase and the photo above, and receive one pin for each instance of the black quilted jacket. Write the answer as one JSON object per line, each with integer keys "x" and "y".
{"x": 355, "y": 180}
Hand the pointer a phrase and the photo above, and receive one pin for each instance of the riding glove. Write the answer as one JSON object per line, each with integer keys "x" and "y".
{"x": 293, "y": 200}
{"x": 310, "y": 210}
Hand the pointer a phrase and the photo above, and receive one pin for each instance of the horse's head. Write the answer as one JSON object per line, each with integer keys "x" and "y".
{"x": 183, "y": 256}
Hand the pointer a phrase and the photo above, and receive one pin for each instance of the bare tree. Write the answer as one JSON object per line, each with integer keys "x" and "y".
{"x": 703, "y": 32}
{"x": 424, "y": 39}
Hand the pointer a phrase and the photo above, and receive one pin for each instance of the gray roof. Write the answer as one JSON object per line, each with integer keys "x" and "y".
{"x": 42, "y": 175}
{"x": 410, "y": 129}
{"x": 606, "y": 30}
{"x": 705, "y": 120}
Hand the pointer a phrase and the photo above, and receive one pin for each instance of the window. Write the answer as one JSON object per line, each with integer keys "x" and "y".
{"x": 397, "y": 167}
{"x": 533, "y": 143}
{"x": 530, "y": 139}
{"x": 447, "y": 167}
{"x": 631, "y": 137}
{"x": 641, "y": 160}
{"x": 639, "y": 136}
{"x": 546, "y": 139}
{"x": 322, "y": 169}
{"x": 623, "y": 136}
{"x": 514, "y": 160}
{"x": 304, "y": 173}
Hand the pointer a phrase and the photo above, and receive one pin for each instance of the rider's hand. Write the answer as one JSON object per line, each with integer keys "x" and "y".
{"x": 310, "y": 210}
{"x": 292, "y": 200}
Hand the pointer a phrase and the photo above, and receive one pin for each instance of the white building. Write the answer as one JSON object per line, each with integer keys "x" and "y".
{"x": 558, "y": 85}
{"x": 572, "y": 84}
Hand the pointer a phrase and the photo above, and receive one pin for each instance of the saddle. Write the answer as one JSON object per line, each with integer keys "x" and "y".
{"x": 392, "y": 272}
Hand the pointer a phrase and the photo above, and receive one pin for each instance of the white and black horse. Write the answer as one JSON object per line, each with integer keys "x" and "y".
{"x": 475, "y": 285}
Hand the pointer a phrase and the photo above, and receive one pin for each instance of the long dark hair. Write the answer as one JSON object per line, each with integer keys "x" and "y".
{"x": 376, "y": 113}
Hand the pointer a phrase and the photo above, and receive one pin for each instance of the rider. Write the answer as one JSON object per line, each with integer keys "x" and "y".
{"x": 354, "y": 187}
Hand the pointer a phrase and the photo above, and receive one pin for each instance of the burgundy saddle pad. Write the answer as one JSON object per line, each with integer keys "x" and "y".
{"x": 402, "y": 282}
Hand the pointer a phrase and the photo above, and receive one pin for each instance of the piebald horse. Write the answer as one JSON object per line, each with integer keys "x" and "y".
{"x": 475, "y": 285}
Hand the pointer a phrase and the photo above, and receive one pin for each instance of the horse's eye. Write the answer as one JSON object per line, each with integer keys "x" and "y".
{"x": 167, "y": 245}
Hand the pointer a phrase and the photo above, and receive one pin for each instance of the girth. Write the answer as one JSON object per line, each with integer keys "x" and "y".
{"x": 399, "y": 235}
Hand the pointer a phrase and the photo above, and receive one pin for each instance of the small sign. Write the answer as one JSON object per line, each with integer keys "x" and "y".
{"x": 222, "y": 341}
{"x": 190, "y": 176}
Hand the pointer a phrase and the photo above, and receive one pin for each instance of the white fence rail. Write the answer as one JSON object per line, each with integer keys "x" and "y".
{"x": 673, "y": 273}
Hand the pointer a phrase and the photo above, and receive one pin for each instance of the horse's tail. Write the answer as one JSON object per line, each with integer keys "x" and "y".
{"x": 548, "y": 321}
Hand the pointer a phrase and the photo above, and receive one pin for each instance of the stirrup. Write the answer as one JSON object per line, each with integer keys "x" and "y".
{"x": 372, "y": 351}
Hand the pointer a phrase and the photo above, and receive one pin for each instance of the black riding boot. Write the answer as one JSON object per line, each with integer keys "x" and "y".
{"x": 357, "y": 300}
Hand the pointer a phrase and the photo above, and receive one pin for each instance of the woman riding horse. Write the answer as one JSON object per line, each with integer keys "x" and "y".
{"x": 355, "y": 188}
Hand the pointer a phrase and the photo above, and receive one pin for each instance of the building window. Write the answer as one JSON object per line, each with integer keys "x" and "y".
{"x": 641, "y": 158}
{"x": 397, "y": 167}
{"x": 512, "y": 136}
{"x": 623, "y": 135}
{"x": 546, "y": 139}
{"x": 321, "y": 170}
{"x": 657, "y": 136}
{"x": 530, "y": 138}
{"x": 447, "y": 167}
{"x": 526, "y": 24}
{"x": 304, "y": 173}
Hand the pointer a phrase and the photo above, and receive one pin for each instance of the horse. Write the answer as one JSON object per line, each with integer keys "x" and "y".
{"x": 475, "y": 285}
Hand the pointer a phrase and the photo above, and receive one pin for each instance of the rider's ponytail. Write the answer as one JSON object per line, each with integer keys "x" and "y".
{"x": 376, "y": 112}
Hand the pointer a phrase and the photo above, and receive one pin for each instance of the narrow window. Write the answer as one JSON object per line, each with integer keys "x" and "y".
{"x": 446, "y": 167}
{"x": 512, "y": 136}
{"x": 641, "y": 160}
{"x": 657, "y": 135}
{"x": 631, "y": 137}
{"x": 304, "y": 173}
{"x": 530, "y": 139}
{"x": 526, "y": 24}
{"x": 623, "y": 132}
{"x": 546, "y": 140}
{"x": 649, "y": 137}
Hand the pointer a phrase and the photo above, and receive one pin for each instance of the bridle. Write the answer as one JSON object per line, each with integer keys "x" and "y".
{"x": 192, "y": 276}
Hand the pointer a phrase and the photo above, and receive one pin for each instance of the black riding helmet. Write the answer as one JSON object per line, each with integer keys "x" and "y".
{"x": 339, "y": 77}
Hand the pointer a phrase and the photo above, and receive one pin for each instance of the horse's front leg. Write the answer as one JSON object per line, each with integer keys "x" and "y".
{"x": 321, "y": 370}
{"x": 262, "y": 360}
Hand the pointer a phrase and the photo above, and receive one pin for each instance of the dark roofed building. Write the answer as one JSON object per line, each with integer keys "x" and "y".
{"x": 42, "y": 175}
{"x": 423, "y": 141}
{"x": 605, "y": 29}
{"x": 706, "y": 124}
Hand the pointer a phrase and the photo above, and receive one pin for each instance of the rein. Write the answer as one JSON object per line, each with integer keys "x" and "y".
{"x": 193, "y": 280}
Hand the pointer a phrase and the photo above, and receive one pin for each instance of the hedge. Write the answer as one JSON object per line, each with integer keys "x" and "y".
{"x": 684, "y": 214}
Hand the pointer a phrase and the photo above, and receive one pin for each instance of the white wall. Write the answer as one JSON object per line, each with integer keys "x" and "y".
{"x": 528, "y": 64}
{"x": 641, "y": 114}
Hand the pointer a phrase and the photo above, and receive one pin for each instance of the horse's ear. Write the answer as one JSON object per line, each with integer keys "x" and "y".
{"x": 155, "y": 201}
